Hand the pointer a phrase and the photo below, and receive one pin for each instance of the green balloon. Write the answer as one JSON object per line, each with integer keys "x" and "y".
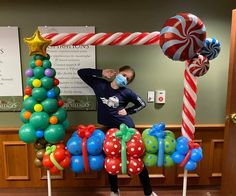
{"x": 151, "y": 144}
{"x": 29, "y": 103}
{"x": 66, "y": 124}
{"x": 27, "y": 133}
{"x": 39, "y": 120}
{"x": 54, "y": 133}
{"x": 169, "y": 145}
{"x": 49, "y": 105}
{"x": 47, "y": 64}
{"x": 170, "y": 133}
{"x": 145, "y": 133}
{"x": 60, "y": 114}
{"x": 39, "y": 94}
{"x": 22, "y": 116}
{"x": 29, "y": 81}
{"x": 38, "y": 72}
{"x": 47, "y": 82}
{"x": 168, "y": 161}
{"x": 150, "y": 160}
{"x": 32, "y": 64}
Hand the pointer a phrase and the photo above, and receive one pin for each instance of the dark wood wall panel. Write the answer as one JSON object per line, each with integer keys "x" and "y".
{"x": 18, "y": 170}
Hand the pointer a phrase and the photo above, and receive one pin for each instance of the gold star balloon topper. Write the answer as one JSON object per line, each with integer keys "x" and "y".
{"x": 37, "y": 44}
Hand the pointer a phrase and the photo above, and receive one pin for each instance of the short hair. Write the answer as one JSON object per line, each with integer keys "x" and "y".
{"x": 127, "y": 67}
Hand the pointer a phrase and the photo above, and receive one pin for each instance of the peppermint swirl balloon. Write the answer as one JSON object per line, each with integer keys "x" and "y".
{"x": 182, "y": 36}
{"x": 211, "y": 48}
{"x": 198, "y": 66}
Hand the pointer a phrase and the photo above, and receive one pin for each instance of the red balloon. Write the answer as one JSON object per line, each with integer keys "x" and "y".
{"x": 59, "y": 154}
{"x": 28, "y": 90}
{"x": 60, "y": 103}
{"x": 54, "y": 170}
{"x": 55, "y": 81}
{"x": 112, "y": 147}
{"x": 135, "y": 147}
{"x": 112, "y": 165}
{"x": 60, "y": 145}
{"x": 111, "y": 132}
{"x": 135, "y": 165}
{"x": 65, "y": 162}
{"x": 47, "y": 162}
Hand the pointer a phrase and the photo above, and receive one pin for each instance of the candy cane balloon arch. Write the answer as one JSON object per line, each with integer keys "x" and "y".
{"x": 182, "y": 38}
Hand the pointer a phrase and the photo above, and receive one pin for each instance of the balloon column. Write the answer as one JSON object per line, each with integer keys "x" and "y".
{"x": 159, "y": 145}
{"x": 123, "y": 148}
{"x": 183, "y": 38}
{"x": 43, "y": 116}
{"x": 85, "y": 146}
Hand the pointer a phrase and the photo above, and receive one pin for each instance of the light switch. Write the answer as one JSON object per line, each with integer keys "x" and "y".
{"x": 150, "y": 96}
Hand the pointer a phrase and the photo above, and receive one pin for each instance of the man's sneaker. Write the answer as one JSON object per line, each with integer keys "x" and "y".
{"x": 115, "y": 193}
{"x": 153, "y": 194}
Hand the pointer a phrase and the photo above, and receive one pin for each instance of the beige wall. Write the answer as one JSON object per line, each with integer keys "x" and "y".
{"x": 154, "y": 70}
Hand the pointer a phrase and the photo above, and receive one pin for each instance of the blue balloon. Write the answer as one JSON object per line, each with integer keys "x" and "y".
{"x": 190, "y": 165}
{"x": 94, "y": 145}
{"x": 51, "y": 94}
{"x": 75, "y": 134}
{"x": 161, "y": 152}
{"x": 96, "y": 162}
{"x": 77, "y": 164}
{"x": 182, "y": 140}
{"x": 196, "y": 155}
{"x": 182, "y": 148}
{"x": 99, "y": 133}
{"x": 39, "y": 133}
{"x": 74, "y": 145}
{"x": 177, "y": 158}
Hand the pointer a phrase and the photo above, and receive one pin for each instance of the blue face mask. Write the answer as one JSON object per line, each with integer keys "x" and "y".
{"x": 121, "y": 81}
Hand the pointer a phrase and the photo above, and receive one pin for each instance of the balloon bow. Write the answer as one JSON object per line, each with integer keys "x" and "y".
{"x": 157, "y": 131}
{"x": 191, "y": 146}
{"x": 85, "y": 132}
{"x": 50, "y": 151}
{"x": 125, "y": 134}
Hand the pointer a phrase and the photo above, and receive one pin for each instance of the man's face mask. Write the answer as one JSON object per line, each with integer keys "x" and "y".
{"x": 121, "y": 81}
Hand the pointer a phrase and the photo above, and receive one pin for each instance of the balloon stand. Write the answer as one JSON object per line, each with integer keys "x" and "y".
{"x": 185, "y": 182}
{"x": 49, "y": 183}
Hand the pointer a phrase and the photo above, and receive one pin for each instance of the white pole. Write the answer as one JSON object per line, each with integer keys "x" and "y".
{"x": 185, "y": 182}
{"x": 49, "y": 183}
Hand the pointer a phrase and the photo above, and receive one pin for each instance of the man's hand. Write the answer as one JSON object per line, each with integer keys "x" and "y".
{"x": 108, "y": 73}
{"x": 122, "y": 112}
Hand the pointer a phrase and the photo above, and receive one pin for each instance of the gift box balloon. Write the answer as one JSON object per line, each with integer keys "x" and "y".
{"x": 159, "y": 146}
{"x": 56, "y": 158}
{"x": 123, "y": 148}
{"x": 85, "y": 146}
{"x": 187, "y": 154}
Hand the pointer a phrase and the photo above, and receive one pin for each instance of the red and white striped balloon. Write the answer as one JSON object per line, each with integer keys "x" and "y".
{"x": 182, "y": 36}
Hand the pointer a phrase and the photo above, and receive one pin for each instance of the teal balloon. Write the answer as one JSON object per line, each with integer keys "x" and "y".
{"x": 151, "y": 144}
{"x": 47, "y": 64}
{"x": 22, "y": 116}
{"x": 38, "y": 57}
{"x": 54, "y": 133}
{"x": 47, "y": 82}
{"x": 39, "y": 120}
{"x": 169, "y": 145}
{"x": 49, "y": 105}
{"x": 29, "y": 81}
{"x": 150, "y": 160}
{"x": 145, "y": 133}
{"x": 56, "y": 90}
{"x": 66, "y": 124}
{"x": 60, "y": 114}
{"x": 39, "y": 94}
{"x": 38, "y": 72}
{"x": 29, "y": 103}
{"x": 27, "y": 133}
{"x": 32, "y": 64}
{"x": 168, "y": 162}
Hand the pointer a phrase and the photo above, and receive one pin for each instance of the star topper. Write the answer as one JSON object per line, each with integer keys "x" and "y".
{"x": 37, "y": 44}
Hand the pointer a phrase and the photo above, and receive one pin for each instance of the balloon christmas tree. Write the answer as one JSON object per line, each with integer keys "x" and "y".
{"x": 43, "y": 116}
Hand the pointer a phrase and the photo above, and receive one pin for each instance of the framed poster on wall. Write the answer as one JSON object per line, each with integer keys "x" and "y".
{"x": 10, "y": 70}
{"x": 67, "y": 60}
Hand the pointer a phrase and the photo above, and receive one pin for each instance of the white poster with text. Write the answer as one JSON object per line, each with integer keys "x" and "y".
{"x": 67, "y": 60}
{"x": 10, "y": 65}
